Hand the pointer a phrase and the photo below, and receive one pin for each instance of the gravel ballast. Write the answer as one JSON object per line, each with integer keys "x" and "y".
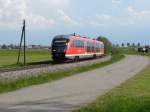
{"x": 14, "y": 75}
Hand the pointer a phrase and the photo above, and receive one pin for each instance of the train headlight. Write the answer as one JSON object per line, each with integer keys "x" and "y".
{"x": 64, "y": 50}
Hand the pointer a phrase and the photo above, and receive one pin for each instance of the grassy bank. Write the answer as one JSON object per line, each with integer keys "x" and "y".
{"x": 8, "y": 58}
{"x": 131, "y": 96}
{"x": 127, "y": 50}
{"x": 28, "y": 81}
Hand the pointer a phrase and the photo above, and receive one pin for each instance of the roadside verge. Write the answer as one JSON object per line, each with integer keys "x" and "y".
{"x": 133, "y": 95}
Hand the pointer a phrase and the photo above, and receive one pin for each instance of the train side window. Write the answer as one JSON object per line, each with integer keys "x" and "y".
{"x": 72, "y": 44}
{"x": 102, "y": 45}
{"x": 98, "y": 46}
{"x": 77, "y": 44}
{"x": 90, "y": 47}
{"x": 93, "y": 47}
{"x": 81, "y": 44}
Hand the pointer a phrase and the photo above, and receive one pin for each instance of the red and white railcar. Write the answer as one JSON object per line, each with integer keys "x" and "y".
{"x": 74, "y": 47}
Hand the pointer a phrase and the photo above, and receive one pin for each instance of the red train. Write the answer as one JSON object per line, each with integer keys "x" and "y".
{"x": 72, "y": 47}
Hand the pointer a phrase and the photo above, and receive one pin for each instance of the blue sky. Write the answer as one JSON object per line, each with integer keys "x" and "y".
{"x": 119, "y": 20}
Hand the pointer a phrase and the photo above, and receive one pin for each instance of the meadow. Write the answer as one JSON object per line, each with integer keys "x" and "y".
{"x": 8, "y": 58}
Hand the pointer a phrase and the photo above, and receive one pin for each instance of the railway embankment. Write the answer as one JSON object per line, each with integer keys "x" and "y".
{"x": 11, "y": 81}
{"x": 16, "y": 74}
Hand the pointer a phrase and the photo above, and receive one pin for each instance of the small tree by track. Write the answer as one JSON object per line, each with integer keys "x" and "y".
{"x": 107, "y": 44}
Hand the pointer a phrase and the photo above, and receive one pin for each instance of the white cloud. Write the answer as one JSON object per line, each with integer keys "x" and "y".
{"x": 58, "y": 2}
{"x": 103, "y": 17}
{"x": 40, "y": 22}
{"x": 1, "y": 14}
{"x": 101, "y": 20}
{"x": 138, "y": 13}
{"x": 13, "y": 11}
{"x": 97, "y": 24}
{"x": 105, "y": 20}
{"x": 23, "y": 8}
{"x": 67, "y": 19}
{"x": 141, "y": 14}
{"x": 116, "y": 2}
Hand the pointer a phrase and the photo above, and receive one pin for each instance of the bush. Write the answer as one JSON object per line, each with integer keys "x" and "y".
{"x": 107, "y": 44}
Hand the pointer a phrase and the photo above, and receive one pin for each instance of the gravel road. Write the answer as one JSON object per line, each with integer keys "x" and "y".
{"x": 73, "y": 92}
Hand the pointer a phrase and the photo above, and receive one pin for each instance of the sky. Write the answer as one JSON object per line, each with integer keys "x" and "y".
{"x": 119, "y": 20}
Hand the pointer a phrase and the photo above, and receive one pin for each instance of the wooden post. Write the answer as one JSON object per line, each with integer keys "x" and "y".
{"x": 23, "y": 37}
{"x": 24, "y": 42}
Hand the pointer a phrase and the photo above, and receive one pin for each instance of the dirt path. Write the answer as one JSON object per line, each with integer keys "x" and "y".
{"x": 70, "y": 93}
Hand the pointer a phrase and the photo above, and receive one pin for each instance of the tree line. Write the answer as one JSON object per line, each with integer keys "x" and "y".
{"x": 109, "y": 47}
{"x": 11, "y": 46}
{"x": 127, "y": 45}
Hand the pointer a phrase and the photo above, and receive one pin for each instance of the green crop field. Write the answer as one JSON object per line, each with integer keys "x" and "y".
{"x": 8, "y": 58}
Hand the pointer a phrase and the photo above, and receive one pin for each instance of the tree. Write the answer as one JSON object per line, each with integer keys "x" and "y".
{"x": 11, "y": 46}
{"x": 117, "y": 45}
{"x": 138, "y": 44}
{"x": 128, "y": 44}
{"x": 133, "y": 44}
{"x": 122, "y": 45}
{"x": 107, "y": 44}
{"x": 4, "y": 46}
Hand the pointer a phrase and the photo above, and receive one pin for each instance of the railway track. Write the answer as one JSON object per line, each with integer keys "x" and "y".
{"x": 34, "y": 70}
{"x": 32, "y": 66}
{"x": 50, "y": 63}
{"x": 2, "y": 70}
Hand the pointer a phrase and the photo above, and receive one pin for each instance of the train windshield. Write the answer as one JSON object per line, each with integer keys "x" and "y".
{"x": 60, "y": 42}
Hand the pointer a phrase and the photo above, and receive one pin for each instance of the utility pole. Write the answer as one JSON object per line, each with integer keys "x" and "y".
{"x": 23, "y": 38}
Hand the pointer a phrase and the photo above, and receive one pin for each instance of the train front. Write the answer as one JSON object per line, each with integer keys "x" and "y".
{"x": 59, "y": 47}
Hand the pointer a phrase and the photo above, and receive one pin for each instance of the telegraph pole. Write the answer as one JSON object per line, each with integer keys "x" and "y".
{"x": 24, "y": 24}
{"x": 23, "y": 38}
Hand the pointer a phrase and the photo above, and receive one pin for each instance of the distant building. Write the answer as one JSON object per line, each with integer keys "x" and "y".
{"x": 29, "y": 47}
{"x": 11, "y": 46}
{"x": 37, "y": 47}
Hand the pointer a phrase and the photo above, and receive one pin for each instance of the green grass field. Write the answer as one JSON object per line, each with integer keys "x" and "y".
{"x": 8, "y": 58}
{"x": 128, "y": 50}
{"x": 131, "y": 96}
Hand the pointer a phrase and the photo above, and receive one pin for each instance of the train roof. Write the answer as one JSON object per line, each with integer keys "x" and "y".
{"x": 62, "y": 36}
{"x": 71, "y": 36}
